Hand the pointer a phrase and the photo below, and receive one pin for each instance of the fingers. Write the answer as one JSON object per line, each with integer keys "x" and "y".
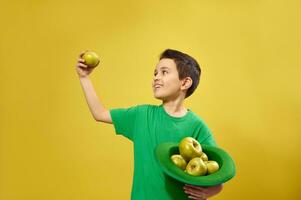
{"x": 81, "y": 60}
{"x": 82, "y": 53}
{"x": 198, "y": 198}
{"x": 195, "y": 192}
{"x": 79, "y": 64}
{"x": 192, "y": 187}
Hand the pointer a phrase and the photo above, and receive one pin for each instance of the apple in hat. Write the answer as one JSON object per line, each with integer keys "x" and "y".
{"x": 204, "y": 157}
{"x": 212, "y": 166}
{"x": 196, "y": 167}
{"x": 179, "y": 161}
{"x": 190, "y": 148}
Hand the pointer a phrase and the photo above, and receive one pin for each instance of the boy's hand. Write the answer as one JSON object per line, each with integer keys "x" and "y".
{"x": 82, "y": 69}
{"x": 201, "y": 193}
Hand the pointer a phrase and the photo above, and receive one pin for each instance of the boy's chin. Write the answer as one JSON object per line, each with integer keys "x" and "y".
{"x": 162, "y": 98}
{"x": 158, "y": 97}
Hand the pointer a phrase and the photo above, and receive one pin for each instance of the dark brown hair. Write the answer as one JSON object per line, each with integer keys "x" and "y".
{"x": 187, "y": 66}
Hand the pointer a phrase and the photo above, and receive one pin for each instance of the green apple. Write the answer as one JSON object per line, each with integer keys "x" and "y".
{"x": 212, "y": 166}
{"x": 91, "y": 59}
{"x": 204, "y": 156}
{"x": 196, "y": 167}
{"x": 179, "y": 161}
{"x": 190, "y": 148}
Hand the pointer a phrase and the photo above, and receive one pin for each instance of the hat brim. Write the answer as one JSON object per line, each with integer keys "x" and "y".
{"x": 227, "y": 170}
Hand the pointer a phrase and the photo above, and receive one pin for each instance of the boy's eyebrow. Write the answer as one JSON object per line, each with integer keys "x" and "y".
{"x": 162, "y": 68}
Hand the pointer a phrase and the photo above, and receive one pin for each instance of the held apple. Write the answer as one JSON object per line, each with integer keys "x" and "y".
{"x": 190, "y": 148}
{"x": 196, "y": 167}
{"x": 204, "y": 157}
{"x": 212, "y": 166}
{"x": 179, "y": 161}
{"x": 91, "y": 58}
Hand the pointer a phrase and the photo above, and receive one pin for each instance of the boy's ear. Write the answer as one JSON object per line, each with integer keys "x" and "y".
{"x": 186, "y": 83}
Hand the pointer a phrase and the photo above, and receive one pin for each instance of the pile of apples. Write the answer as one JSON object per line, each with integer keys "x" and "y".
{"x": 192, "y": 160}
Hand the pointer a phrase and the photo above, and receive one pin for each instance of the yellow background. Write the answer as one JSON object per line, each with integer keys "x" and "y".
{"x": 249, "y": 93}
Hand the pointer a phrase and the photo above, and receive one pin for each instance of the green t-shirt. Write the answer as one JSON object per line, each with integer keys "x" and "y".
{"x": 147, "y": 126}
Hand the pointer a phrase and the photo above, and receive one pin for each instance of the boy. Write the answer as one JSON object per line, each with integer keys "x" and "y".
{"x": 175, "y": 78}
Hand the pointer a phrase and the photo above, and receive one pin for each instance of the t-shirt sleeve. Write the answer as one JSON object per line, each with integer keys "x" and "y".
{"x": 209, "y": 140}
{"x": 124, "y": 121}
{"x": 205, "y": 136}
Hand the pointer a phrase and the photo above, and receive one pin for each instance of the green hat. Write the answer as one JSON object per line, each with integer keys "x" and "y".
{"x": 164, "y": 151}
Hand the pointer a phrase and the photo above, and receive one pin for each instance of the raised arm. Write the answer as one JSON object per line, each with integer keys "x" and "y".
{"x": 96, "y": 108}
{"x": 99, "y": 112}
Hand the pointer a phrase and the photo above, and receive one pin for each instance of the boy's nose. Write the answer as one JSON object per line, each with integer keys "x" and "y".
{"x": 157, "y": 77}
{"x": 155, "y": 80}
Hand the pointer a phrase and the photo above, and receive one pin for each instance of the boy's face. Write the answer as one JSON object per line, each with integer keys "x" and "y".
{"x": 166, "y": 83}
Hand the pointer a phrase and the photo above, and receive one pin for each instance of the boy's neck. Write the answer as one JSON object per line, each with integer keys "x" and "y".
{"x": 175, "y": 108}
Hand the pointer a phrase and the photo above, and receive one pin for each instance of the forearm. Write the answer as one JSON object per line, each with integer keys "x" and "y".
{"x": 95, "y": 106}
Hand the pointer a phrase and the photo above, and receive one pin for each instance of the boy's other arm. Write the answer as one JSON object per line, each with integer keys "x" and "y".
{"x": 197, "y": 192}
{"x": 98, "y": 111}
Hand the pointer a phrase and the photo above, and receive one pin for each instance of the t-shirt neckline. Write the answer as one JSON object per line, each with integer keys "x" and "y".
{"x": 173, "y": 117}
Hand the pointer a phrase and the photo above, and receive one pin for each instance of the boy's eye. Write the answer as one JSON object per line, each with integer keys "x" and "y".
{"x": 163, "y": 72}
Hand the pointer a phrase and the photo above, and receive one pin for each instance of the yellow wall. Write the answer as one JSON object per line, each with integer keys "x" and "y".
{"x": 249, "y": 94}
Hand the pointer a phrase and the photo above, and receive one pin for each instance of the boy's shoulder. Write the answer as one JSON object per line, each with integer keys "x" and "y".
{"x": 195, "y": 115}
{"x": 199, "y": 119}
{"x": 145, "y": 106}
{"x": 140, "y": 107}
